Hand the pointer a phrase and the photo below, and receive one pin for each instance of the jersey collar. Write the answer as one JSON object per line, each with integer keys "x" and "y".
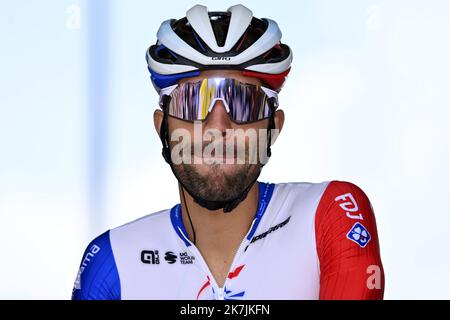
{"x": 265, "y": 191}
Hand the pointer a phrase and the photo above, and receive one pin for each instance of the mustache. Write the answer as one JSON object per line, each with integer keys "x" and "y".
{"x": 217, "y": 150}
{"x": 226, "y": 148}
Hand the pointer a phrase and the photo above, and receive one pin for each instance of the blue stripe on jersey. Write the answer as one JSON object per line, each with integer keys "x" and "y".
{"x": 98, "y": 278}
{"x": 265, "y": 191}
{"x": 177, "y": 223}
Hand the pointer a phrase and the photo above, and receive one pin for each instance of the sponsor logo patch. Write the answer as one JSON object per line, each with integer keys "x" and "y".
{"x": 359, "y": 234}
{"x": 150, "y": 256}
{"x": 170, "y": 257}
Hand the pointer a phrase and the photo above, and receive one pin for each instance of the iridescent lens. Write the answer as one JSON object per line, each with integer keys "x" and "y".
{"x": 244, "y": 102}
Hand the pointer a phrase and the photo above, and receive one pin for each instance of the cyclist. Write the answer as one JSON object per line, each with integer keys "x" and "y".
{"x": 231, "y": 236}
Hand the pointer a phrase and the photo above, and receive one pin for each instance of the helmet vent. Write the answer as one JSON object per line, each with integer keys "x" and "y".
{"x": 220, "y": 23}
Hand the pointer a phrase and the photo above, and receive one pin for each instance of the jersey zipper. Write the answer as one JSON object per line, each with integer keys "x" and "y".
{"x": 237, "y": 257}
{"x": 220, "y": 291}
{"x": 220, "y": 295}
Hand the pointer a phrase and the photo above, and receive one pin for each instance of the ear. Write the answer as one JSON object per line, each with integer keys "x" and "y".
{"x": 279, "y": 122}
{"x": 158, "y": 116}
{"x": 279, "y": 119}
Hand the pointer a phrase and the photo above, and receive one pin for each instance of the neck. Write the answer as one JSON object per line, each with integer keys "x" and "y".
{"x": 214, "y": 228}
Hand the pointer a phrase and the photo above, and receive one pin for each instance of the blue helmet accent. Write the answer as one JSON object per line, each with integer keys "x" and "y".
{"x": 161, "y": 81}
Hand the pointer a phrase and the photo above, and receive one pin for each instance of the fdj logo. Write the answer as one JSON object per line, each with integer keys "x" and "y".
{"x": 359, "y": 234}
{"x": 150, "y": 256}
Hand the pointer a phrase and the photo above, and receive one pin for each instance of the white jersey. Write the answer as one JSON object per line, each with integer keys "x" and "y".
{"x": 153, "y": 258}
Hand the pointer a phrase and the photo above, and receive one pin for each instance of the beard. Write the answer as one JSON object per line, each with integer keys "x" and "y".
{"x": 216, "y": 184}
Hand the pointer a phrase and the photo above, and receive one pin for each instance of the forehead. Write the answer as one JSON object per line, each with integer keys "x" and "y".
{"x": 235, "y": 74}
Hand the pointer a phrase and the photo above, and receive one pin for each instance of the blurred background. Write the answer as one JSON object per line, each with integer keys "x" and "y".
{"x": 367, "y": 101}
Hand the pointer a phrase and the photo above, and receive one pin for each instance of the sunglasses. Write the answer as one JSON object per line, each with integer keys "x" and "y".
{"x": 244, "y": 102}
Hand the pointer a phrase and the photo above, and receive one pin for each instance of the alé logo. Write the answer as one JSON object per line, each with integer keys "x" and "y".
{"x": 152, "y": 257}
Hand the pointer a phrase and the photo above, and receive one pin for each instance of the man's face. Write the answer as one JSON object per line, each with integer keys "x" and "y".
{"x": 220, "y": 158}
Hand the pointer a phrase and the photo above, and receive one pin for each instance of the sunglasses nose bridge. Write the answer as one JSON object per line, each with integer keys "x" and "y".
{"x": 218, "y": 116}
{"x": 214, "y": 102}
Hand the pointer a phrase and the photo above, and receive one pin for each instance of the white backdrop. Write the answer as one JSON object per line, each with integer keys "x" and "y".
{"x": 367, "y": 101}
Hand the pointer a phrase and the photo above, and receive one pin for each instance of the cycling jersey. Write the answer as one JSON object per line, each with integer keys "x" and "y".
{"x": 306, "y": 241}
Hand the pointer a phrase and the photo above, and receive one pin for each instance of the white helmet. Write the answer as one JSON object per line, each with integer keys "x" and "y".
{"x": 219, "y": 40}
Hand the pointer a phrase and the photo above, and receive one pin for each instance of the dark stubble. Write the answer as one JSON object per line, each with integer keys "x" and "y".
{"x": 217, "y": 185}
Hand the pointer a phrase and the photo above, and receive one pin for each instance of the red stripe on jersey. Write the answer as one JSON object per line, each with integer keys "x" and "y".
{"x": 348, "y": 269}
{"x": 235, "y": 273}
{"x": 207, "y": 283}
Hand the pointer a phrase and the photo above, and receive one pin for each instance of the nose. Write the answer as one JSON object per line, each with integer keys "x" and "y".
{"x": 218, "y": 118}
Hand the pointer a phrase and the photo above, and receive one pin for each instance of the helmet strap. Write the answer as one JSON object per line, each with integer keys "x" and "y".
{"x": 164, "y": 129}
{"x": 271, "y": 125}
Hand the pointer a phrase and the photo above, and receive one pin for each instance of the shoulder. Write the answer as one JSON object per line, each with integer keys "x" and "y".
{"x": 297, "y": 201}
{"x": 346, "y": 197}
{"x": 347, "y": 244}
{"x": 338, "y": 186}
{"x": 98, "y": 276}
{"x": 300, "y": 190}
{"x": 147, "y": 229}
{"x": 345, "y": 213}
{"x": 320, "y": 197}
